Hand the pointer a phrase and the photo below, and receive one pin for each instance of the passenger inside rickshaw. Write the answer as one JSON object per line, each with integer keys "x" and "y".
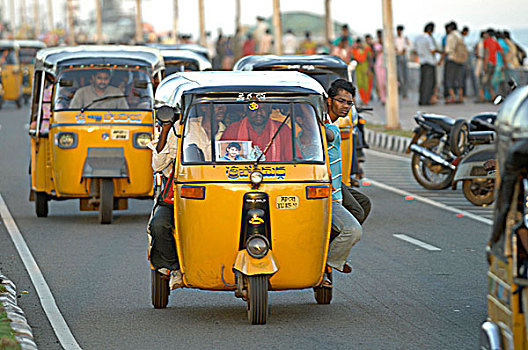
{"x": 253, "y": 133}
{"x": 104, "y": 88}
{"x": 27, "y": 55}
{"x": 46, "y": 109}
{"x": 8, "y": 57}
{"x": 197, "y": 134}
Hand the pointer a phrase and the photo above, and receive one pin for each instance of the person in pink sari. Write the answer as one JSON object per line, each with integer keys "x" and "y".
{"x": 379, "y": 68}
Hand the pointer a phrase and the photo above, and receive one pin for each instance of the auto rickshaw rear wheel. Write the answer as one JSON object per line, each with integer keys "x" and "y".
{"x": 41, "y": 204}
{"x": 18, "y": 102}
{"x": 323, "y": 295}
{"x": 257, "y": 304}
{"x": 106, "y": 201}
{"x": 160, "y": 289}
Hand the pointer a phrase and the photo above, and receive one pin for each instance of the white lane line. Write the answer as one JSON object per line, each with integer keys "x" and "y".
{"x": 414, "y": 241}
{"x": 51, "y": 309}
{"x": 431, "y": 202}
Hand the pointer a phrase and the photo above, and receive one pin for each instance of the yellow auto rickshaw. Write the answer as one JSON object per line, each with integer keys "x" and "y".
{"x": 91, "y": 119}
{"x": 325, "y": 69}
{"x": 250, "y": 209}
{"x": 26, "y": 54}
{"x": 506, "y": 324}
{"x": 11, "y": 72}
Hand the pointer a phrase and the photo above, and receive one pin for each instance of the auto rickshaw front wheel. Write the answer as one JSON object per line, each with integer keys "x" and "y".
{"x": 41, "y": 204}
{"x": 257, "y": 303}
{"x": 159, "y": 289}
{"x": 106, "y": 201}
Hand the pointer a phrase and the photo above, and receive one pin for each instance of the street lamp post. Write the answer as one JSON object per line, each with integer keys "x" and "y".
{"x": 175, "y": 21}
{"x": 50, "y": 16}
{"x": 99, "y": 22}
{"x": 201, "y": 19}
{"x": 391, "y": 107}
{"x": 277, "y": 26}
{"x": 139, "y": 26}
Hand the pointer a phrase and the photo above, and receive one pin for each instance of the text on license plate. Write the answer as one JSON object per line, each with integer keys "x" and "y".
{"x": 119, "y": 134}
{"x": 287, "y": 202}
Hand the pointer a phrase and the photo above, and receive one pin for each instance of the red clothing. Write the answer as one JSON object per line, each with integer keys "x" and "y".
{"x": 248, "y": 48}
{"x": 492, "y": 46}
{"x": 281, "y": 149}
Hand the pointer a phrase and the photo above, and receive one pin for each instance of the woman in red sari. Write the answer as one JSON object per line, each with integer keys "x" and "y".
{"x": 363, "y": 54}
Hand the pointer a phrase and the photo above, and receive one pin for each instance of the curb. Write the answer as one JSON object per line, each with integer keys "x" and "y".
{"x": 388, "y": 142}
{"x": 19, "y": 324}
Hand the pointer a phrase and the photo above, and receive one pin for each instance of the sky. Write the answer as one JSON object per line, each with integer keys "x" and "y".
{"x": 362, "y": 16}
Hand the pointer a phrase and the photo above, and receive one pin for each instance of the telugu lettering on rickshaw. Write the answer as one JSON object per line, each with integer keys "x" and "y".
{"x": 125, "y": 117}
{"x": 240, "y": 172}
{"x": 251, "y": 96}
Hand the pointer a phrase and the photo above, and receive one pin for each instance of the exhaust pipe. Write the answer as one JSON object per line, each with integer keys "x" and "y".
{"x": 432, "y": 156}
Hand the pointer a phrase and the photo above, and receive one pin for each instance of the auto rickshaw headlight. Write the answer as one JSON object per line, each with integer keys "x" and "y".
{"x": 257, "y": 246}
{"x": 256, "y": 177}
{"x": 66, "y": 140}
{"x": 141, "y": 139}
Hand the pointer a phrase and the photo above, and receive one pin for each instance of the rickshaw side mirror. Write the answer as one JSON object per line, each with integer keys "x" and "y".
{"x": 141, "y": 84}
{"x": 65, "y": 83}
{"x": 166, "y": 114}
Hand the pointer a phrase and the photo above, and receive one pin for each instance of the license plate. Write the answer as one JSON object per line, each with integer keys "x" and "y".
{"x": 287, "y": 202}
{"x": 118, "y": 134}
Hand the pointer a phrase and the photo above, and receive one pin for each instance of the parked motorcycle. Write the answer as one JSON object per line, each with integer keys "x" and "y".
{"x": 440, "y": 143}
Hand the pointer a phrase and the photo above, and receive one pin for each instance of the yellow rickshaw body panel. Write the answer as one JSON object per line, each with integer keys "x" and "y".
{"x": 208, "y": 230}
{"x": 11, "y": 81}
{"x": 94, "y": 129}
{"x": 503, "y": 304}
{"x": 347, "y": 148}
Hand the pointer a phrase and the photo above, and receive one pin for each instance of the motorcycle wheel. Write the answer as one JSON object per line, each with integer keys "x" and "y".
{"x": 479, "y": 191}
{"x": 257, "y": 304}
{"x": 429, "y": 174}
{"x": 323, "y": 295}
{"x": 159, "y": 290}
{"x": 459, "y": 137}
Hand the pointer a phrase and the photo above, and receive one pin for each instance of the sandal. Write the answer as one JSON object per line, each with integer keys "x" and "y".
{"x": 347, "y": 268}
{"x": 327, "y": 282}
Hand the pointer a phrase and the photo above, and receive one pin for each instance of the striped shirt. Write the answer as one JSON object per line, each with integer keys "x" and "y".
{"x": 334, "y": 155}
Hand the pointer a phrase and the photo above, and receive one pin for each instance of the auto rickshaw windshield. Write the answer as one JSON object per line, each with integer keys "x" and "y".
{"x": 241, "y": 132}
{"x": 180, "y": 66}
{"x": 27, "y": 54}
{"x": 116, "y": 88}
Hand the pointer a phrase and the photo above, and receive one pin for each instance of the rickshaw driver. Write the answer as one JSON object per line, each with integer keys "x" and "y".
{"x": 163, "y": 255}
{"x": 258, "y": 127}
{"x": 347, "y": 227}
{"x": 99, "y": 88}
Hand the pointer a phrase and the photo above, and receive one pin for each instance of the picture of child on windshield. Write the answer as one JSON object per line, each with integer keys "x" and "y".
{"x": 232, "y": 152}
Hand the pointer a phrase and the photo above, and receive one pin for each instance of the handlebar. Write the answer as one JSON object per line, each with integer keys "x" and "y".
{"x": 364, "y": 109}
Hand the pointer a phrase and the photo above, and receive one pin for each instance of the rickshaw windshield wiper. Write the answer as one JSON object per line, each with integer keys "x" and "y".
{"x": 102, "y": 99}
{"x": 272, "y": 139}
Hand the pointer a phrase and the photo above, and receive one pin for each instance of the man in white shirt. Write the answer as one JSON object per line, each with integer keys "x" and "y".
{"x": 290, "y": 43}
{"x": 426, "y": 50}
{"x": 402, "y": 46}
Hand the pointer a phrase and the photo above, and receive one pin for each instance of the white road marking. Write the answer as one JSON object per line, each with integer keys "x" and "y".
{"x": 414, "y": 241}
{"x": 431, "y": 202}
{"x": 51, "y": 309}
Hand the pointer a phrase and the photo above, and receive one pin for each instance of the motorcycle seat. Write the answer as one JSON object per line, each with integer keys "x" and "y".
{"x": 443, "y": 121}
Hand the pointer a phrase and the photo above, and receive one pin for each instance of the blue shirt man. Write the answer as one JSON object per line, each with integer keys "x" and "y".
{"x": 347, "y": 227}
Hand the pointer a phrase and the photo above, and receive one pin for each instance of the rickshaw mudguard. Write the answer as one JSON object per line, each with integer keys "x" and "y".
{"x": 251, "y": 266}
{"x": 105, "y": 162}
